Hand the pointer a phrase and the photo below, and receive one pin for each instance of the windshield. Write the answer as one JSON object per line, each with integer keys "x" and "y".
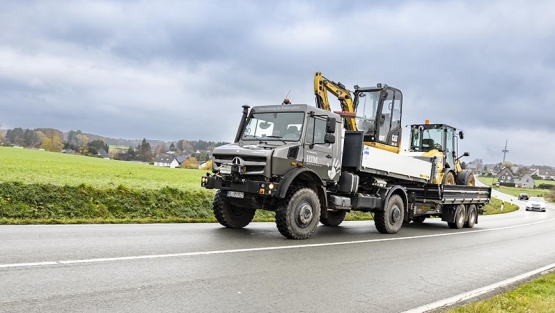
{"x": 366, "y": 107}
{"x": 428, "y": 139}
{"x": 274, "y": 126}
{"x": 538, "y": 199}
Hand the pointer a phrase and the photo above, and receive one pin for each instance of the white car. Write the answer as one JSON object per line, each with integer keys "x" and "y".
{"x": 535, "y": 204}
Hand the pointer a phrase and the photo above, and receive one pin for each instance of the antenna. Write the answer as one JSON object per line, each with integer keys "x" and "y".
{"x": 286, "y": 99}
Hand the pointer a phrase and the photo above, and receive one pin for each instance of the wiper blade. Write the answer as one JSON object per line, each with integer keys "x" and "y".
{"x": 278, "y": 137}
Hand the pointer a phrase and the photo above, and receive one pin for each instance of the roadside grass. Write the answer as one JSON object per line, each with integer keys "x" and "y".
{"x": 494, "y": 207}
{"x": 535, "y": 296}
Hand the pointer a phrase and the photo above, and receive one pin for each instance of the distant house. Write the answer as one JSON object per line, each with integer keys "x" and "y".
{"x": 163, "y": 160}
{"x": 103, "y": 154}
{"x": 497, "y": 168}
{"x": 546, "y": 173}
{"x": 525, "y": 181}
{"x": 472, "y": 167}
{"x": 170, "y": 159}
{"x": 506, "y": 176}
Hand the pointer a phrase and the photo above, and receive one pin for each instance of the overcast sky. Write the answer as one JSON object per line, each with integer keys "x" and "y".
{"x": 175, "y": 70}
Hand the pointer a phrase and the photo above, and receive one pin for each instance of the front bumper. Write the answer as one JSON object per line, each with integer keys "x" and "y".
{"x": 535, "y": 208}
{"x": 261, "y": 188}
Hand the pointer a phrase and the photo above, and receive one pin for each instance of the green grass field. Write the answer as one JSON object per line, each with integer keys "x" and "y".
{"x": 33, "y": 166}
{"x": 513, "y": 191}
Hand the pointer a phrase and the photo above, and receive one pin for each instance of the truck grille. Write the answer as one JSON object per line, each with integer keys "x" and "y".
{"x": 255, "y": 164}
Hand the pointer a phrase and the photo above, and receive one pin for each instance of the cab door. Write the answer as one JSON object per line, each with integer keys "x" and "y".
{"x": 323, "y": 158}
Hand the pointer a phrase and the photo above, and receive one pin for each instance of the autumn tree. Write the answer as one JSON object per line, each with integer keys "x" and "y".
{"x": 190, "y": 163}
{"x": 82, "y": 142}
{"x": 53, "y": 144}
{"x": 507, "y": 164}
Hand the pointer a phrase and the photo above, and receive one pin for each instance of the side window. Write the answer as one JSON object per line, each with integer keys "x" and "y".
{"x": 387, "y": 116}
{"x": 316, "y": 130}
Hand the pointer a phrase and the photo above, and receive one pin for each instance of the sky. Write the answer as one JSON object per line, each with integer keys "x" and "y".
{"x": 171, "y": 70}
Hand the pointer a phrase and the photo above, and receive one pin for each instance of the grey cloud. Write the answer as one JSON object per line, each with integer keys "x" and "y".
{"x": 176, "y": 69}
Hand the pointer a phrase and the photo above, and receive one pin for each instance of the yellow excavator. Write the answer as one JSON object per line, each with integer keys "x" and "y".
{"x": 376, "y": 111}
{"x": 440, "y": 142}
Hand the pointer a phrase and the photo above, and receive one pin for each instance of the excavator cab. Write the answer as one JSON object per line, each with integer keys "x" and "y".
{"x": 377, "y": 111}
{"x": 378, "y": 114}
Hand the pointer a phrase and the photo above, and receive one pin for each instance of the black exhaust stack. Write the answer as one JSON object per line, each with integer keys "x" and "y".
{"x": 242, "y": 123}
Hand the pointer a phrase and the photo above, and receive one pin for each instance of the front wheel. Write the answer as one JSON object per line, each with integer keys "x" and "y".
{"x": 449, "y": 179}
{"x": 390, "y": 220}
{"x": 334, "y": 218}
{"x": 298, "y": 214}
{"x": 230, "y": 215}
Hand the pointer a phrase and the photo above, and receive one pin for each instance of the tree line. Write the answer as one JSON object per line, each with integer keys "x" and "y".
{"x": 51, "y": 139}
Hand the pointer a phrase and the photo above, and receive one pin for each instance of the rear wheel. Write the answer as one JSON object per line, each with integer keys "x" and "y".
{"x": 334, "y": 218}
{"x": 466, "y": 177}
{"x": 230, "y": 215}
{"x": 390, "y": 220}
{"x": 298, "y": 214}
{"x": 459, "y": 218}
{"x": 472, "y": 215}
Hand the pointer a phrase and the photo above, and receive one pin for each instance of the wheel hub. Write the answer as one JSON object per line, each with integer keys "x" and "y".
{"x": 395, "y": 214}
{"x": 305, "y": 213}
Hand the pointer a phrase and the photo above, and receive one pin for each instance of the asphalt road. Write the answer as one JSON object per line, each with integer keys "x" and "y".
{"x": 207, "y": 268}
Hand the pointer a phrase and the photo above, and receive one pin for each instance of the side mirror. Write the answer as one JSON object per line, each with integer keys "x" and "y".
{"x": 329, "y": 138}
{"x": 330, "y": 125}
{"x": 466, "y": 154}
{"x": 461, "y": 135}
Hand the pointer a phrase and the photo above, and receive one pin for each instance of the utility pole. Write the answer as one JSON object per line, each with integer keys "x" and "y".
{"x": 505, "y": 151}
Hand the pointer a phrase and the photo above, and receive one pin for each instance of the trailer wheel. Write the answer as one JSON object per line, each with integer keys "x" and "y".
{"x": 230, "y": 215}
{"x": 419, "y": 219}
{"x": 334, "y": 218}
{"x": 390, "y": 220}
{"x": 472, "y": 215}
{"x": 459, "y": 218}
{"x": 298, "y": 214}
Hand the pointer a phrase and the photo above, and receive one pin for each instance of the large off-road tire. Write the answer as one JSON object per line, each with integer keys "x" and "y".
{"x": 390, "y": 220}
{"x": 334, "y": 218}
{"x": 298, "y": 214}
{"x": 459, "y": 218}
{"x": 466, "y": 177}
{"x": 472, "y": 215}
{"x": 449, "y": 178}
{"x": 230, "y": 215}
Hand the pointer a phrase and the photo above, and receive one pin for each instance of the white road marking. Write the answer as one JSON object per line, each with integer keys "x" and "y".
{"x": 480, "y": 291}
{"x": 188, "y": 254}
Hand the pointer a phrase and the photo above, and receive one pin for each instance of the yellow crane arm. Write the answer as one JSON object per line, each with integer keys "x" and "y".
{"x": 322, "y": 86}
